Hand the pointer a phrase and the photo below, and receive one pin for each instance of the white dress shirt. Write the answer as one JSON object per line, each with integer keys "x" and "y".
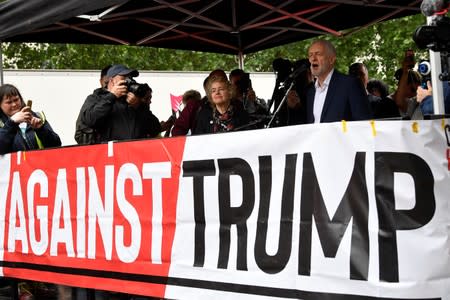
{"x": 319, "y": 97}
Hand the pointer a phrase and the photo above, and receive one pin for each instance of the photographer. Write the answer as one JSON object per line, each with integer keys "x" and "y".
{"x": 425, "y": 91}
{"x": 405, "y": 95}
{"x": 21, "y": 128}
{"x": 425, "y": 98}
{"x": 84, "y": 135}
{"x": 119, "y": 112}
{"x": 402, "y": 103}
{"x": 243, "y": 91}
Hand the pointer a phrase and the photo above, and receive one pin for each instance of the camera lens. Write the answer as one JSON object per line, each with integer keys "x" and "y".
{"x": 424, "y": 68}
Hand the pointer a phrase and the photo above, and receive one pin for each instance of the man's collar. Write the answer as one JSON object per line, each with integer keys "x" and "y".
{"x": 326, "y": 81}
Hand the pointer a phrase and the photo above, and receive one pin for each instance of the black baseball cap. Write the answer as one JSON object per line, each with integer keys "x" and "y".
{"x": 121, "y": 70}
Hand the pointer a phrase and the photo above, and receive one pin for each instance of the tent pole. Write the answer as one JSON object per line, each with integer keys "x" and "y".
{"x": 436, "y": 69}
{"x": 241, "y": 60}
{"x": 438, "y": 90}
{"x": 1, "y": 64}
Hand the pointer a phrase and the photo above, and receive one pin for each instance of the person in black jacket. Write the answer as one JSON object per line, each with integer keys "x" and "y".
{"x": 334, "y": 96}
{"x": 20, "y": 127}
{"x": 111, "y": 112}
{"x": 84, "y": 135}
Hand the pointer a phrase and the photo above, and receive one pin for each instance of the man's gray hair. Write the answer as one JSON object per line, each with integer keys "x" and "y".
{"x": 328, "y": 45}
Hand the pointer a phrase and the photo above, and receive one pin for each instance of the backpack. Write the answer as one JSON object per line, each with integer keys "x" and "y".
{"x": 85, "y": 135}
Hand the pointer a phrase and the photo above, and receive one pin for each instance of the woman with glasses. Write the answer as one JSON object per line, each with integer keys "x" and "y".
{"x": 225, "y": 114}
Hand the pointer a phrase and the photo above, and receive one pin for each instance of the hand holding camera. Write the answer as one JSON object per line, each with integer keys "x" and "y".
{"x": 23, "y": 115}
{"x": 36, "y": 122}
{"x": 422, "y": 92}
{"x": 133, "y": 100}
{"x": 118, "y": 87}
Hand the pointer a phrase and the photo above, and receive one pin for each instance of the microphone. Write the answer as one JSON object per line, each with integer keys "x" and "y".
{"x": 302, "y": 66}
{"x": 432, "y": 7}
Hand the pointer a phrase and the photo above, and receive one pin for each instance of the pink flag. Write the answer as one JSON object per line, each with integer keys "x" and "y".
{"x": 176, "y": 102}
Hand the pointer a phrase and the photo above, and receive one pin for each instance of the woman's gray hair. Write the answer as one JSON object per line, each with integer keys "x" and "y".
{"x": 213, "y": 79}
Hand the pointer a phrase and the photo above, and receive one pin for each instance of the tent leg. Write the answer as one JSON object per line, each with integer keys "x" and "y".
{"x": 436, "y": 69}
{"x": 1, "y": 64}
{"x": 241, "y": 60}
{"x": 438, "y": 90}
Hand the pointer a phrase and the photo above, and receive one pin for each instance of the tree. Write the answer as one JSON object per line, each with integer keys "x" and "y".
{"x": 381, "y": 47}
{"x": 71, "y": 56}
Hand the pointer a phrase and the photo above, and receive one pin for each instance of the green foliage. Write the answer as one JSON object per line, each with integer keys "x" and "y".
{"x": 92, "y": 57}
{"x": 380, "y": 46}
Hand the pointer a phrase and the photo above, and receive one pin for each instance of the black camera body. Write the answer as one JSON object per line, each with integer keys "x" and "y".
{"x": 435, "y": 37}
{"x": 244, "y": 83}
{"x": 283, "y": 68}
{"x": 286, "y": 68}
{"x": 139, "y": 89}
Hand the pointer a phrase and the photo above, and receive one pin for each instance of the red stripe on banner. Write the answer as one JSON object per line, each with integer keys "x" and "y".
{"x": 94, "y": 216}
{"x": 448, "y": 159}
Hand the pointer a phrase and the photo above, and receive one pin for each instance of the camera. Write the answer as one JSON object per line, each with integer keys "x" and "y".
{"x": 244, "y": 83}
{"x": 435, "y": 37}
{"x": 424, "y": 69}
{"x": 284, "y": 68}
{"x": 139, "y": 89}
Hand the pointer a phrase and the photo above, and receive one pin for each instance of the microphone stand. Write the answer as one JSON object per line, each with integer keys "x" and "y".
{"x": 304, "y": 66}
{"x": 272, "y": 100}
{"x": 244, "y": 99}
{"x": 281, "y": 103}
{"x": 249, "y": 125}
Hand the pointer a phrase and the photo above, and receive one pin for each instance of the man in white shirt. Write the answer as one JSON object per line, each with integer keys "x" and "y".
{"x": 334, "y": 96}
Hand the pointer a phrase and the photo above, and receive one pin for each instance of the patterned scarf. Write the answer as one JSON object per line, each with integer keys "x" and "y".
{"x": 223, "y": 122}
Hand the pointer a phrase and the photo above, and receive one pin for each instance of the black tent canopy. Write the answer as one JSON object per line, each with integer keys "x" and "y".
{"x": 221, "y": 26}
{"x": 18, "y": 16}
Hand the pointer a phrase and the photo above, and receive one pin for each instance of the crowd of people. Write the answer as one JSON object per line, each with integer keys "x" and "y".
{"x": 120, "y": 108}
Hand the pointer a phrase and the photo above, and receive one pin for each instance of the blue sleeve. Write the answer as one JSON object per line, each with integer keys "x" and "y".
{"x": 447, "y": 97}
{"x": 7, "y": 134}
{"x": 426, "y": 106}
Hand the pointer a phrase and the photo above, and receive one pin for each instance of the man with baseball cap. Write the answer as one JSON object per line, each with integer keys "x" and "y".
{"x": 108, "y": 116}
{"x": 122, "y": 70}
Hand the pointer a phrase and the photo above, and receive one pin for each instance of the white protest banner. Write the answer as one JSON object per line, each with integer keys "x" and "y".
{"x": 351, "y": 210}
